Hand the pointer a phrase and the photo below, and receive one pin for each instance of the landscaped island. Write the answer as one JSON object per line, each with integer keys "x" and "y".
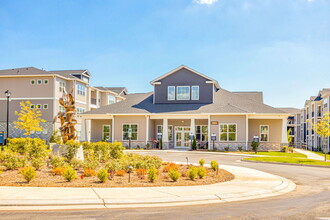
{"x": 29, "y": 162}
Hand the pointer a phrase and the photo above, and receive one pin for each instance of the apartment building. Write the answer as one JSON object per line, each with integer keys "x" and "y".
{"x": 293, "y": 124}
{"x": 314, "y": 109}
{"x": 44, "y": 88}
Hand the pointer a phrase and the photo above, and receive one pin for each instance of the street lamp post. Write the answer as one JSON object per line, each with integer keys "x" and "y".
{"x": 7, "y": 93}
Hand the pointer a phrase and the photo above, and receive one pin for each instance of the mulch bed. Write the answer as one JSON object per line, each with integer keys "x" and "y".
{"x": 45, "y": 178}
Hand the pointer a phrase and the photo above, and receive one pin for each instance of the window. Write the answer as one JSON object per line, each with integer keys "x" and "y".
{"x": 39, "y": 81}
{"x": 106, "y": 132}
{"x": 111, "y": 99}
{"x": 134, "y": 128}
{"x": 201, "y": 132}
{"x": 325, "y": 102}
{"x": 33, "y": 82}
{"x": 61, "y": 86}
{"x": 81, "y": 90}
{"x": 169, "y": 130}
{"x": 38, "y": 106}
{"x": 61, "y": 108}
{"x": 264, "y": 133}
{"x": 228, "y": 132}
{"x": 45, "y": 106}
{"x": 171, "y": 93}
{"x": 195, "y": 93}
{"x": 183, "y": 93}
{"x": 80, "y": 110}
{"x": 46, "y": 81}
{"x": 32, "y": 106}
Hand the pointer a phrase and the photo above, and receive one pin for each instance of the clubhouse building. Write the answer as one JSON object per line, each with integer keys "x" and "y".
{"x": 186, "y": 103}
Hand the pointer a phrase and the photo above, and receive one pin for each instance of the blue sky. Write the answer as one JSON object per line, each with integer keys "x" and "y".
{"x": 280, "y": 47}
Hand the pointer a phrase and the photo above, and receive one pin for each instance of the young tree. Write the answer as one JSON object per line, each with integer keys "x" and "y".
{"x": 322, "y": 128}
{"x": 289, "y": 136}
{"x": 28, "y": 119}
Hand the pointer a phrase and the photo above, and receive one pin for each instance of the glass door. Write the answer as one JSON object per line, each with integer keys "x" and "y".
{"x": 178, "y": 139}
{"x": 182, "y": 137}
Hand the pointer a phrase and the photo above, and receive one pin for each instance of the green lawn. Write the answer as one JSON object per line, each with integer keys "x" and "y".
{"x": 289, "y": 160}
{"x": 279, "y": 154}
{"x": 322, "y": 154}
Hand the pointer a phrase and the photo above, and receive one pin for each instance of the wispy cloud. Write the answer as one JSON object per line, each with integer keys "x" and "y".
{"x": 206, "y": 2}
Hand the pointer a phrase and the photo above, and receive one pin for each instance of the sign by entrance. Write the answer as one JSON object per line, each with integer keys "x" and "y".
{"x": 2, "y": 137}
{"x": 214, "y": 123}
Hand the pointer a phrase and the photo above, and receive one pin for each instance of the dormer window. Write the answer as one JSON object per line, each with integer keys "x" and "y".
{"x": 183, "y": 92}
{"x": 171, "y": 93}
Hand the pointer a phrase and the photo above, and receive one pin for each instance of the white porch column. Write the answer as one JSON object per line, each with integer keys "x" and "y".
{"x": 147, "y": 129}
{"x": 284, "y": 131}
{"x": 209, "y": 133}
{"x": 192, "y": 126}
{"x": 165, "y": 134}
{"x": 88, "y": 129}
{"x": 113, "y": 129}
{"x": 247, "y": 132}
{"x": 83, "y": 130}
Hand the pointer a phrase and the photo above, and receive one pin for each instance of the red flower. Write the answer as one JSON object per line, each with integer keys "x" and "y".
{"x": 82, "y": 176}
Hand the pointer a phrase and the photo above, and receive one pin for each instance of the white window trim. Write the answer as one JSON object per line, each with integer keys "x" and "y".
{"x": 38, "y": 81}
{"x": 47, "y": 81}
{"x": 188, "y": 93}
{"x": 168, "y": 88}
{"x": 37, "y": 105}
{"x": 110, "y": 138}
{"x": 167, "y": 129}
{"x": 192, "y": 92}
{"x": 33, "y": 106}
{"x": 227, "y": 132}
{"x": 34, "y": 82}
{"x": 114, "y": 99}
{"x": 267, "y": 133}
{"x": 43, "y": 106}
{"x": 201, "y": 130}
{"x": 122, "y": 131}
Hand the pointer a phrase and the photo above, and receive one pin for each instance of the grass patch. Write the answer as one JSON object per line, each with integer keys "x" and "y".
{"x": 289, "y": 160}
{"x": 279, "y": 154}
{"x": 322, "y": 154}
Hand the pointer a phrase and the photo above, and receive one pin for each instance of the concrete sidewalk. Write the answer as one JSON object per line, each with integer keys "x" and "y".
{"x": 309, "y": 154}
{"x": 248, "y": 184}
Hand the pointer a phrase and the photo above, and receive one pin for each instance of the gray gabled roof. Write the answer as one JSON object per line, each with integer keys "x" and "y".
{"x": 118, "y": 90}
{"x": 224, "y": 102}
{"x": 69, "y": 73}
{"x": 23, "y": 71}
{"x": 256, "y": 96}
{"x": 291, "y": 110}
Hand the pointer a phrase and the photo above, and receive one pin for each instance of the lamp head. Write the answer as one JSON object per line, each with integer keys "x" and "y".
{"x": 8, "y": 93}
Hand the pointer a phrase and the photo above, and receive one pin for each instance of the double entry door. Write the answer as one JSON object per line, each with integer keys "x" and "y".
{"x": 182, "y": 137}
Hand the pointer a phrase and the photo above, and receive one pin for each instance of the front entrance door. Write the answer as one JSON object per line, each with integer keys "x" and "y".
{"x": 182, "y": 137}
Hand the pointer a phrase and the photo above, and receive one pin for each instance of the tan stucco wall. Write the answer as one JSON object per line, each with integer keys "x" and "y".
{"x": 240, "y": 120}
{"x": 120, "y": 120}
{"x": 96, "y": 128}
{"x": 275, "y": 128}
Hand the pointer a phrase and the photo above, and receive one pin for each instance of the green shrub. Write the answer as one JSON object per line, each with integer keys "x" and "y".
{"x": 28, "y": 173}
{"x": 71, "y": 149}
{"x": 201, "y": 172}
{"x": 192, "y": 173}
{"x": 56, "y": 161}
{"x": 55, "y": 138}
{"x": 38, "y": 163}
{"x": 102, "y": 175}
{"x": 201, "y": 162}
{"x": 255, "y": 146}
{"x": 69, "y": 174}
{"x": 174, "y": 174}
{"x": 76, "y": 164}
{"x": 214, "y": 165}
{"x": 13, "y": 160}
{"x": 91, "y": 163}
{"x": 226, "y": 149}
{"x": 152, "y": 174}
{"x": 240, "y": 148}
{"x": 104, "y": 151}
{"x": 30, "y": 147}
{"x": 285, "y": 149}
{"x": 194, "y": 144}
{"x": 290, "y": 149}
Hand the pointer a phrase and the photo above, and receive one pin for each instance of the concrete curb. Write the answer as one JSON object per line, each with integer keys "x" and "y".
{"x": 212, "y": 195}
{"x": 289, "y": 164}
